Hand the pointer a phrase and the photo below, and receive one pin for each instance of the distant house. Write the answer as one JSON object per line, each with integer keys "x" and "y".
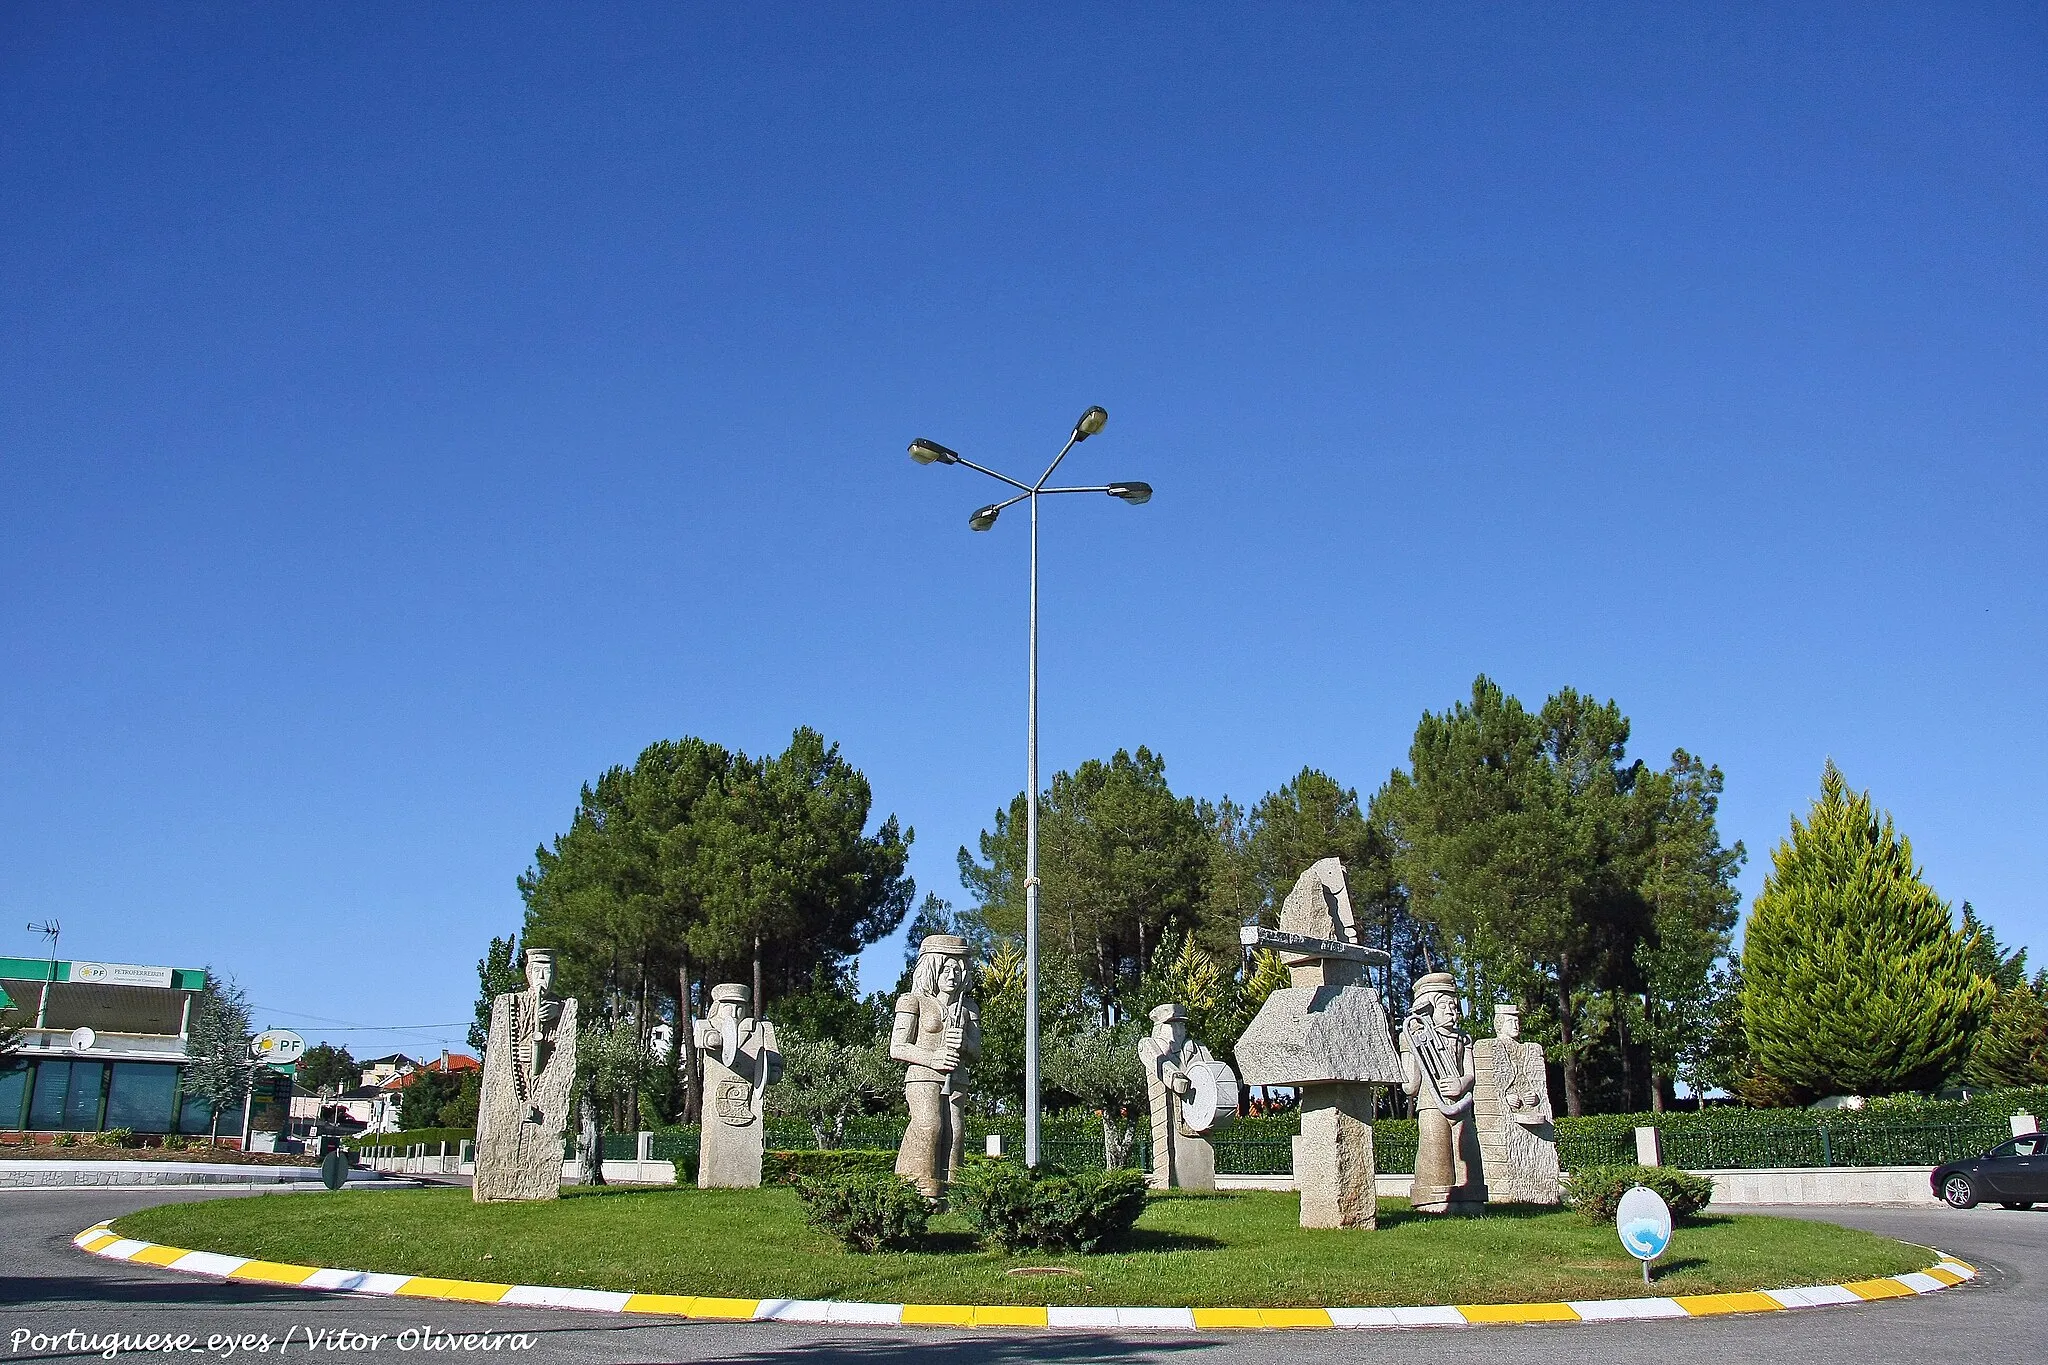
{"x": 381, "y": 1069}
{"x": 386, "y": 1117}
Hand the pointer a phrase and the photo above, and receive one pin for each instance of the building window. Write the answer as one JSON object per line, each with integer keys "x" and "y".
{"x": 142, "y": 1096}
{"x": 82, "y": 1097}
{"x": 13, "y": 1094}
{"x": 46, "y": 1107}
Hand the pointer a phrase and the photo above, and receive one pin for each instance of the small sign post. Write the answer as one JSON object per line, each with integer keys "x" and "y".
{"x": 1643, "y": 1221}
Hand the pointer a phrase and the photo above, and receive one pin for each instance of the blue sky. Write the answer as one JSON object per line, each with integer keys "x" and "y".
{"x": 407, "y": 412}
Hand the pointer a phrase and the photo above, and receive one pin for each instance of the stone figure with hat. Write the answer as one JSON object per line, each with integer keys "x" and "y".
{"x": 936, "y": 1033}
{"x": 1191, "y": 1094}
{"x": 1326, "y": 1033}
{"x": 1438, "y": 1070}
{"x": 529, "y": 1077}
{"x": 741, "y": 1060}
{"x": 1511, "y": 1109}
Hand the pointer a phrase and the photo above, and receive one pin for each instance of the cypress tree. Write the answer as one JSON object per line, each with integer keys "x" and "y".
{"x": 1854, "y": 980}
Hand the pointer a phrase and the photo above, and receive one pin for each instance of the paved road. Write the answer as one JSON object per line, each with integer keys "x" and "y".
{"x": 47, "y": 1286}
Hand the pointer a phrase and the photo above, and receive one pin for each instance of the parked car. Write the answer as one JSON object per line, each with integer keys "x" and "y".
{"x": 2013, "y": 1173}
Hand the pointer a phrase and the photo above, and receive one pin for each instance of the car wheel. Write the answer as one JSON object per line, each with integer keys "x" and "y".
{"x": 1958, "y": 1192}
{"x": 2021, "y": 1204}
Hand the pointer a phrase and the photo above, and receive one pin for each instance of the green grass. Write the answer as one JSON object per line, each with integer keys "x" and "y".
{"x": 1225, "y": 1250}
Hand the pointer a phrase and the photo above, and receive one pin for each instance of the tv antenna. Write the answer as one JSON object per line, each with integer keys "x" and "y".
{"x": 49, "y": 929}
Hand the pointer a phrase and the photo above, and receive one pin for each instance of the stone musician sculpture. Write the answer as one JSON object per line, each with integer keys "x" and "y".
{"x": 1511, "y": 1108}
{"x": 1437, "y": 1069}
{"x": 1191, "y": 1093}
{"x": 529, "y": 1072}
{"x": 937, "y": 1032}
{"x": 1325, "y": 1032}
{"x": 741, "y": 1060}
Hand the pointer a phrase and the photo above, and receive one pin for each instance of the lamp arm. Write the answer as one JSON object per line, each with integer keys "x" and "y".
{"x": 1001, "y": 478}
{"x": 1072, "y": 437}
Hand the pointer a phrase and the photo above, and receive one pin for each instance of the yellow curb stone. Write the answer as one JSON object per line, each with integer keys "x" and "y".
{"x": 937, "y": 1315}
{"x": 1944, "y": 1274}
{"x": 1004, "y": 1315}
{"x": 271, "y": 1272}
{"x": 156, "y": 1255}
{"x": 675, "y": 1305}
{"x": 1209, "y": 1318}
{"x": 701, "y": 1307}
{"x": 1953, "y": 1261}
{"x": 1707, "y": 1305}
{"x": 427, "y": 1287}
{"x": 1878, "y": 1289}
{"x": 1518, "y": 1312}
{"x": 98, "y": 1240}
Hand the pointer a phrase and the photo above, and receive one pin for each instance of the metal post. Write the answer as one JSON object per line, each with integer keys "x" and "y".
{"x": 1031, "y": 874}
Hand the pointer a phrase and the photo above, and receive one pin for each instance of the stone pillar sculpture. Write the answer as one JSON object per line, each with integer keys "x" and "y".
{"x": 936, "y": 1033}
{"x": 1438, "y": 1070}
{"x": 529, "y": 1073}
{"x": 1326, "y": 1033}
{"x": 741, "y": 1060}
{"x": 1511, "y": 1108}
{"x": 1191, "y": 1093}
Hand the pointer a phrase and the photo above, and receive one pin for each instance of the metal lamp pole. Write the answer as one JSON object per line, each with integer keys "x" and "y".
{"x": 930, "y": 452}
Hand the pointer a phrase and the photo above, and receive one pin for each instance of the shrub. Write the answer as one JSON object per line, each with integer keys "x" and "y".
{"x": 787, "y": 1168}
{"x": 865, "y": 1210}
{"x": 65, "y": 1140}
{"x": 117, "y": 1137}
{"x": 1597, "y": 1190}
{"x": 175, "y": 1142}
{"x": 1017, "y": 1209}
{"x": 432, "y": 1137}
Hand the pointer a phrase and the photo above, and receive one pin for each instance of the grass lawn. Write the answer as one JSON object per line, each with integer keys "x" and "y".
{"x": 1229, "y": 1249}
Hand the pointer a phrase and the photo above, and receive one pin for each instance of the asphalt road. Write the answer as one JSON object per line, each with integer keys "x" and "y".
{"x": 49, "y": 1287}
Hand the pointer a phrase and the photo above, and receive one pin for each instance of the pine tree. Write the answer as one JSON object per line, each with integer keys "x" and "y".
{"x": 1854, "y": 979}
{"x": 2012, "y": 1047}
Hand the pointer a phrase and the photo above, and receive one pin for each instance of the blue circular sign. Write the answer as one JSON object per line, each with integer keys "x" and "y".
{"x": 1643, "y": 1220}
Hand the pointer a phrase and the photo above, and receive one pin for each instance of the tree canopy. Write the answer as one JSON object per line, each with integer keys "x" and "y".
{"x": 1855, "y": 978}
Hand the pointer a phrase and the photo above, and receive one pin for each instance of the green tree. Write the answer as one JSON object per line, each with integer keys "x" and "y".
{"x": 1517, "y": 840}
{"x": 1123, "y": 867}
{"x": 217, "y": 1042}
{"x": 325, "y": 1065}
{"x": 1855, "y": 980}
{"x": 825, "y": 1083}
{"x": 1688, "y": 884}
{"x": 498, "y": 972}
{"x": 999, "y": 1074}
{"x": 1100, "y": 1068}
{"x": 2012, "y": 1047}
{"x": 2006, "y": 970}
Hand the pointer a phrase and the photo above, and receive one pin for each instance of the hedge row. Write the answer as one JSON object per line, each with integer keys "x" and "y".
{"x": 432, "y": 1137}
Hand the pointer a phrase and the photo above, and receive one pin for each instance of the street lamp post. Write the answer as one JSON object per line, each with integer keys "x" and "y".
{"x": 930, "y": 452}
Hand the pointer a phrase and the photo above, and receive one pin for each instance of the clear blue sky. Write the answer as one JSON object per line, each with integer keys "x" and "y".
{"x": 406, "y": 412}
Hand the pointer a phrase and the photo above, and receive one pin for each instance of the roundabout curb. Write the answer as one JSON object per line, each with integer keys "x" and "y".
{"x": 99, "y": 1241}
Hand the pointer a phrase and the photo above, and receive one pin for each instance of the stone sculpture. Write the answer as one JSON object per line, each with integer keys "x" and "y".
{"x": 1191, "y": 1093}
{"x": 1511, "y": 1109}
{"x": 1438, "y": 1070}
{"x": 529, "y": 1074}
{"x": 937, "y": 1032}
{"x": 1326, "y": 1033}
{"x": 741, "y": 1060}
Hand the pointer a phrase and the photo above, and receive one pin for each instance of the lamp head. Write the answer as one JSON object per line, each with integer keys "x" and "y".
{"x": 931, "y": 452}
{"x": 1091, "y": 423}
{"x": 1133, "y": 492}
{"x": 984, "y": 518}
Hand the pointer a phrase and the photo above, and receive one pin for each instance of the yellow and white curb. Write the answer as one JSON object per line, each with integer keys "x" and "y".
{"x": 1944, "y": 1274}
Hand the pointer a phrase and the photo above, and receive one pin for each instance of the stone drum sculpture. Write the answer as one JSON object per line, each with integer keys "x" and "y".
{"x": 1511, "y": 1109}
{"x": 1325, "y": 1032}
{"x": 529, "y": 1073}
{"x": 937, "y": 1032}
{"x": 741, "y": 1060}
{"x": 1191, "y": 1093}
{"x": 1438, "y": 1070}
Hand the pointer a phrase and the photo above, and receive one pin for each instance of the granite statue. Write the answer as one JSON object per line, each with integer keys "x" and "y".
{"x": 526, "y": 1100}
{"x": 1191, "y": 1094}
{"x": 936, "y": 1033}
{"x": 741, "y": 1059}
{"x": 1438, "y": 1071}
{"x": 1326, "y": 1033}
{"x": 1511, "y": 1109}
